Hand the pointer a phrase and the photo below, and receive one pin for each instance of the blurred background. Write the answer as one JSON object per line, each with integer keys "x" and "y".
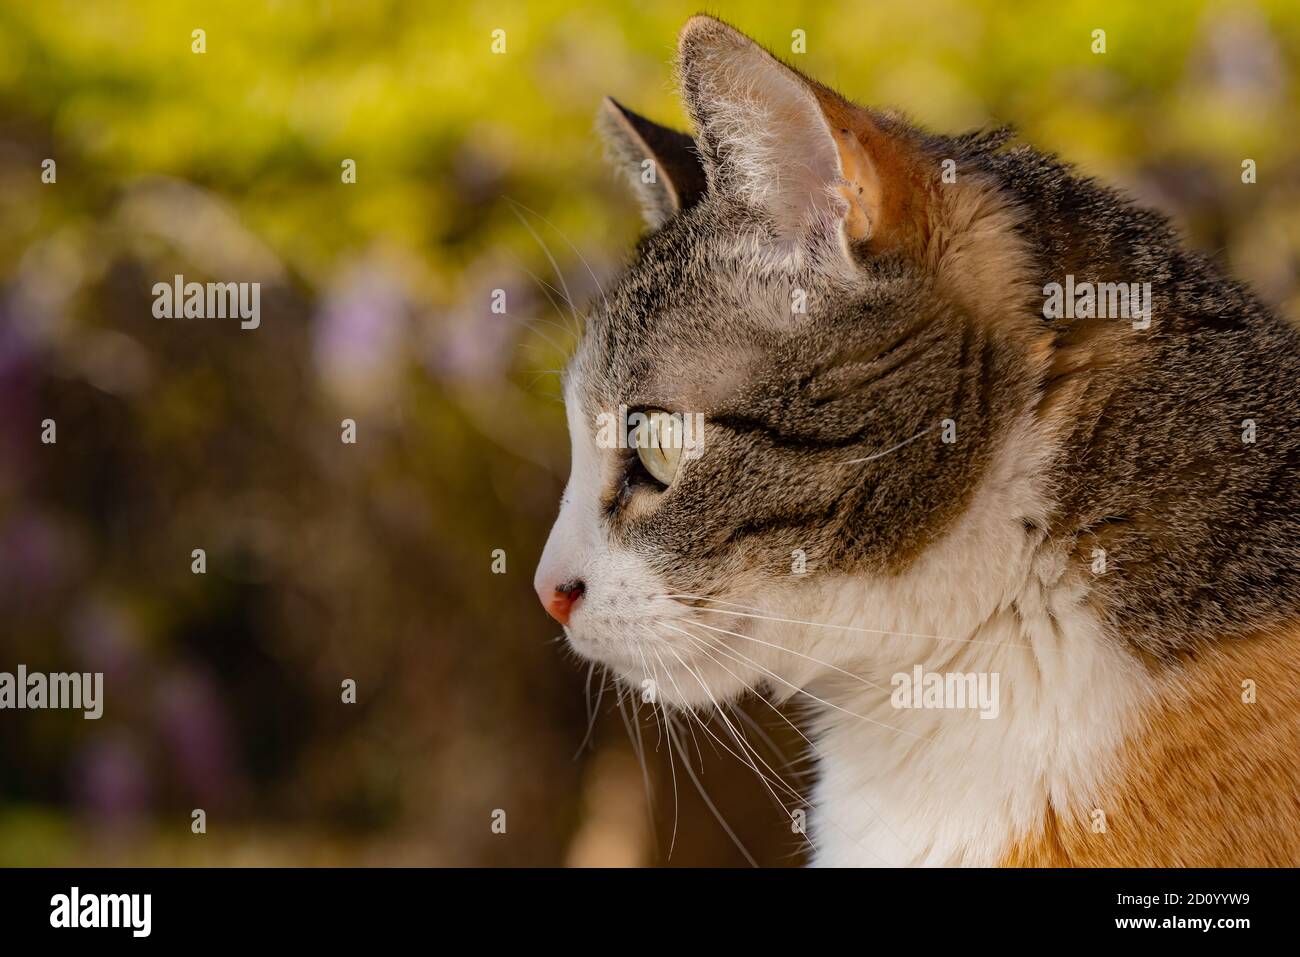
{"x": 475, "y": 171}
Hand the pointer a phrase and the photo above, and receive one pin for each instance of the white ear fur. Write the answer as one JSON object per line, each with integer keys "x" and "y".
{"x": 762, "y": 133}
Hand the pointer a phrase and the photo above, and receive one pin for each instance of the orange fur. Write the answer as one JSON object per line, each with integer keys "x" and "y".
{"x": 964, "y": 231}
{"x": 1210, "y": 781}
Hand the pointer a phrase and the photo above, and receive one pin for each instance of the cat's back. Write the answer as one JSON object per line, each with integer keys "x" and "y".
{"x": 1179, "y": 469}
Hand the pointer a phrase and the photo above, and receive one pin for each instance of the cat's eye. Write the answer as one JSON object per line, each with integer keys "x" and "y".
{"x": 658, "y": 443}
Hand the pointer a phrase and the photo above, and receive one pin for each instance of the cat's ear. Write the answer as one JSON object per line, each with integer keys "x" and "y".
{"x": 769, "y": 136}
{"x": 661, "y": 163}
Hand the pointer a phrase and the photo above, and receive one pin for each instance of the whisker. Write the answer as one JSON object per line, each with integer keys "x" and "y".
{"x": 550, "y": 287}
{"x": 566, "y": 329}
{"x": 767, "y": 644}
{"x": 819, "y": 624}
{"x": 881, "y": 455}
{"x": 712, "y": 807}
{"x": 539, "y": 373}
{"x": 576, "y": 251}
{"x": 565, "y": 326}
{"x": 754, "y": 691}
{"x": 555, "y": 266}
{"x": 726, "y": 721}
{"x": 592, "y": 710}
{"x": 656, "y": 710}
{"x": 800, "y": 802}
{"x": 742, "y": 714}
{"x": 645, "y": 771}
{"x": 744, "y": 659}
{"x": 672, "y": 767}
{"x": 638, "y": 748}
{"x": 739, "y": 737}
{"x": 744, "y": 743}
{"x": 627, "y": 724}
{"x": 537, "y": 377}
{"x": 809, "y": 694}
{"x": 685, "y": 709}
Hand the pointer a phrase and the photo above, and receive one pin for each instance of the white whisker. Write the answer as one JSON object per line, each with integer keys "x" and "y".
{"x": 809, "y": 694}
{"x": 554, "y": 265}
{"x": 813, "y": 748}
{"x": 711, "y": 806}
{"x": 576, "y": 251}
{"x": 593, "y": 710}
{"x": 727, "y": 721}
{"x": 818, "y": 624}
{"x": 767, "y": 644}
{"x": 881, "y": 455}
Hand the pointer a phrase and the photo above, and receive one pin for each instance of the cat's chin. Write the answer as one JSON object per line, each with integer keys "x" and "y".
{"x": 660, "y": 672}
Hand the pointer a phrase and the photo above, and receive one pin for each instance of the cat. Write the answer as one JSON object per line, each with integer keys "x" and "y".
{"x": 912, "y": 479}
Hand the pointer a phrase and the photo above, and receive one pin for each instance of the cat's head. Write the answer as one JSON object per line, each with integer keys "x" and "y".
{"x": 841, "y": 300}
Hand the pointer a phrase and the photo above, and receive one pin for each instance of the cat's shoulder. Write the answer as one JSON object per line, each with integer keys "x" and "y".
{"x": 1210, "y": 777}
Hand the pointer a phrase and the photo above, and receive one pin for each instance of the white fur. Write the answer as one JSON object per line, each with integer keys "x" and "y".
{"x": 775, "y": 151}
{"x": 896, "y": 787}
{"x": 949, "y": 788}
{"x": 624, "y": 599}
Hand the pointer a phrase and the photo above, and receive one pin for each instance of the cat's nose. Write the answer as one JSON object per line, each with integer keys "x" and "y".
{"x": 560, "y": 599}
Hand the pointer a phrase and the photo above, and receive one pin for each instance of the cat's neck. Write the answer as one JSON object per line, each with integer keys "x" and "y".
{"x": 955, "y": 701}
{"x": 961, "y": 747}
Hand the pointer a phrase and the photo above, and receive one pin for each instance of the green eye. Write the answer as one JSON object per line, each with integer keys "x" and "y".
{"x": 659, "y": 445}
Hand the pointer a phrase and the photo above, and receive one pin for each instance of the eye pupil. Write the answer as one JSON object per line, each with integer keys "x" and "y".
{"x": 658, "y": 443}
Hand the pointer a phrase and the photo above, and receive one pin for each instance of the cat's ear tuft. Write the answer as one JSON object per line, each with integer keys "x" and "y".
{"x": 661, "y": 163}
{"x": 781, "y": 142}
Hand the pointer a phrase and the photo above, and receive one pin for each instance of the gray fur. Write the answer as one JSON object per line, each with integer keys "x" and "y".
{"x": 1202, "y": 531}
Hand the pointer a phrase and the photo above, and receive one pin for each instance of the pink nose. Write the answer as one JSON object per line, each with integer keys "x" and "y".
{"x": 559, "y": 603}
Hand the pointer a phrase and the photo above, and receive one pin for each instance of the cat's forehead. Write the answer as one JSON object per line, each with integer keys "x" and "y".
{"x": 676, "y": 364}
{"x": 682, "y": 326}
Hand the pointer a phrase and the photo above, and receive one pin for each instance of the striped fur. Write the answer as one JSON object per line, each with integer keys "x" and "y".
{"x": 914, "y": 467}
